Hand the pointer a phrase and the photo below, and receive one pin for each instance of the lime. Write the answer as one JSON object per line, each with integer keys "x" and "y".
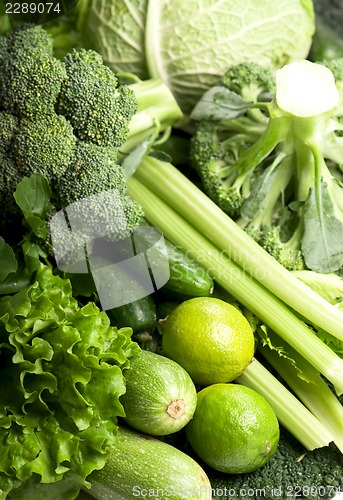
{"x": 234, "y": 429}
{"x": 209, "y": 338}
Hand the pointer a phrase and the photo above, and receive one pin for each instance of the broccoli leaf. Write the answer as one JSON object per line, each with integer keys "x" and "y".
{"x": 218, "y": 104}
{"x": 8, "y": 261}
{"x": 33, "y": 197}
{"x": 322, "y": 241}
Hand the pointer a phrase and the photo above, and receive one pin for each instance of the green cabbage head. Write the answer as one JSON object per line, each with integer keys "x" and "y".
{"x": 190, "y": 43}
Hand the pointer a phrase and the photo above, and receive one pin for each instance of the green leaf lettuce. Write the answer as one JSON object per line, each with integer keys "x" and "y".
{"x": 61, "y": 379}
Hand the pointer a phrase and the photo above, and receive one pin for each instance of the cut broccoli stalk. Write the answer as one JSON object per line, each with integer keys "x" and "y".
{"x": 306, "y": 96}
{"x": 233, "y": 278}
{"x": 199, "y": 211}
{"x": 299, "y": 221}
{"x": 304, "y": 425}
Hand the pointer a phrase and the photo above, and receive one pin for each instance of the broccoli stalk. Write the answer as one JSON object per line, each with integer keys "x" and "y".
{"x": 288, "y": 196}
{"x": 305, "y": 99}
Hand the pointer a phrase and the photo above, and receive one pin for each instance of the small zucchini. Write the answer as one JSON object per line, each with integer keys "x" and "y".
{"x": 160, "y": 396}
{"x": 140, "y": 315}
{"x": 143, "y": 466}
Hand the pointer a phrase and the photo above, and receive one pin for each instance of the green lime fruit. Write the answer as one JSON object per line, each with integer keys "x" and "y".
{"x": 234, "y": 429}
{"x": 209, "y": 338}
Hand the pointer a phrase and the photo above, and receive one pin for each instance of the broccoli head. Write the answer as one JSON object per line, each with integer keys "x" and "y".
{"x": 97, "y": 106}
{"x": 249, "y": 80}
{"x": 30, "y": 77}
{"x": 45, "y": 145}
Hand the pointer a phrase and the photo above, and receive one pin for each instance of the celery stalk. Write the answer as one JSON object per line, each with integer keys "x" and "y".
{"x": 240, "y": 284}
{"x": 291, "y": 413}
{"x": 315, "y": 393}
{"x": 180, "y": 193}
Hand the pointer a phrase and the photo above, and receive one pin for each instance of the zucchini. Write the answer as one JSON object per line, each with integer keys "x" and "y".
{"x": 143, "y": 466}
{"x": 160, "y": 396}
{"x": 140, "y": 315}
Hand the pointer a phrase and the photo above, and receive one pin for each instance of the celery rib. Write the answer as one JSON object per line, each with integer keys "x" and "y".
{"x": 291, "y": 413}
{"x": 240, "y": 284}
{"x": 317, "y": 396}
{"x": 180, "y": 193}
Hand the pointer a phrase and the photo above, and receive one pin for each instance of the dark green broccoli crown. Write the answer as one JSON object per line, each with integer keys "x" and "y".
{"x": 249, "y": 79}
{"x": 44, "y": 145}
{"x": 31, "y": 37}
{"x": 98, "y": 108}
{"x": 8, "y": 128}
{"x": 92, "y": 170}
{"x": 133, "y": 212}
{"x": 30, "y": 78}
{"x": 205, "y": 145}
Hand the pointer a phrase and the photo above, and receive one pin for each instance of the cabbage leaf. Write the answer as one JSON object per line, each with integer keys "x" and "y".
{"x": 190, "y": 43}
{"x": 61, "y": 379}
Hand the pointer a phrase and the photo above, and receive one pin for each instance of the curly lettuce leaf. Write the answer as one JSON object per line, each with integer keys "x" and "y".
{"x": 61, "y": 380}
{"x": 189, "y": 45}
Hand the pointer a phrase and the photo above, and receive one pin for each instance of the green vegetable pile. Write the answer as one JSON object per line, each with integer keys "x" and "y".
{"x": 252, "y": 211}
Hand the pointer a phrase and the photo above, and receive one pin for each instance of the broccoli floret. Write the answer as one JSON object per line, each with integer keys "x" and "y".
{"x": 45, "y": 145}
{"x": 216, "y": 145}
{"x": 249, "y": 80}
{"x": 97, "y": 106}
{"x": 30, "y": 78}
{"x": 92, "y": 171}
{"x": 8, "y": 128}
{"x": 213, "y": 154}
{"x": 288, "y": 252}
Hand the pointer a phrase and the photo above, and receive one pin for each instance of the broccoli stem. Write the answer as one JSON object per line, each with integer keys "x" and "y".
{"x": 291, "y": 413}
{"x": 183, "y": 196}
{"x": 313, "y": 392}
{"x": 228, "y": 274}
{"x": 156, "y": 106}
